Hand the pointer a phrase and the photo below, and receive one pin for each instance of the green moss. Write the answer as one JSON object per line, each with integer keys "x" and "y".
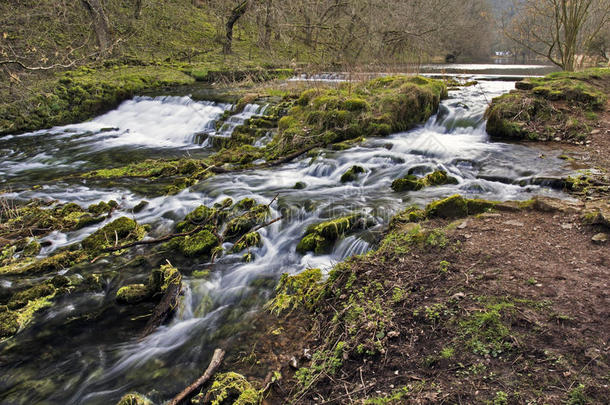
{"x": 199, "y": 244}
{"x": 249, "y": 240}
{"x": 32, "y": 249}
{"x": 536, "y": 110}
{"x": 412, "y": 183}
{"x": 133, "y": 294}
{"x": 320, "y": 238}
{"x": 134, "y": 399}
{"x": 303, "y": 289}
{"x": 161, "y": 278}
{"x": 56, "y": 262}
{"x": 9, "y": 324}
{"x": 122, "y": 230}
{"x": 299, "y": 185}
{"x": 233, "y": 388}
{"x": 352, "y": 174}
{"x": 452, "y": 207}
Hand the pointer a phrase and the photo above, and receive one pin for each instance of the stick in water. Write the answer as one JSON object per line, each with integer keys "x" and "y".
{"x": 181, "y": 398}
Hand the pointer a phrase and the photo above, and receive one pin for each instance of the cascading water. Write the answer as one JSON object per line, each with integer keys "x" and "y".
{"x": 85, "y": 351}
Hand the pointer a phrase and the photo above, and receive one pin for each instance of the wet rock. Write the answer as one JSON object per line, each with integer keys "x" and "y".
{"x": 600, "y": 238}
{"x": 60, "y": 281}
{"x": 300, "y": 185}
{"x": 352, "y": 174}
{"x": 139, "y": 207}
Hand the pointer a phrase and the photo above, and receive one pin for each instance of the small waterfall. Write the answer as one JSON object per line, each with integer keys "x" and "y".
{"x": 214, "y": 138}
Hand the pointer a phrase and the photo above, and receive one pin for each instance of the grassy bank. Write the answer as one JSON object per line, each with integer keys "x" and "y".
{"x": 562, "y": 106}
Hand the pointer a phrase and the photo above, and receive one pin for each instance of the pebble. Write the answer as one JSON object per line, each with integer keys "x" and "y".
{"x": 567, "y": 226}
{"x": 293, "y": 363}
{"x": 600, "y": 238}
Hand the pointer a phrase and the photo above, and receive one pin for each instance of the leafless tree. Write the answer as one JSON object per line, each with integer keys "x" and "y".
{"x": 559, "y": 30}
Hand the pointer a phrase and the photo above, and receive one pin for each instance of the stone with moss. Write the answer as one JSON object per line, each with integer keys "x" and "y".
{"x": 22, "y": 298}
{"x": 9, "y": 324}
{"x": 199, "y": 244}
{"x": 413, "y": 183}
{"x": 121, "y": 231}
{"x": 233, "y": 388}
{"x": 457, "y": 206}
{"x": 133, "y": 294}
{"x": 134, "y": 399}
{"x": 294, "y": 291}
{"x": 320, "y": 238}
{"x": 352, "y": 174}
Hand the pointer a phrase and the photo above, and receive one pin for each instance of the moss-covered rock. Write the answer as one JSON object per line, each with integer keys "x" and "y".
{"x": 457, "y": 206}
{"x": 134, "y": 399}
{"x": 413, "y": 183}
{"x": 122, "y": 230}
{"x": 320, "y": 238}
{"x": 352, "y": 174}
{"x": 199, "y": 244}
{"x": 133, "y": 294}
{"x": 21, "y": 299}
{"x": 233, "y": 388}
{"x": 8, "y": 322}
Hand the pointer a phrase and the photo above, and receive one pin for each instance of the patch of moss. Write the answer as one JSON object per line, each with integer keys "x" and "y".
{"x": 320, "y": 238}
{"x": 457, "y": 207}
{"x": 302, "y": 289}
{"x": 134, "y": 399}
{"x": 119, "y": 231}
{"x": 133, "y": 294}
{"x": 233, "y": 388}
{"x": 252, "y": 239}
{"x": 412, "y": 183}
{"x": 199, "y": 244}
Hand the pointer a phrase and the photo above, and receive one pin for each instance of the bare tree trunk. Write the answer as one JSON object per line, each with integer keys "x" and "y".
{"x": 100, "y": 23}
{"x": 267, "y": 33}
{"x": 138, "y": 9}
{"x": 236, "y": 14}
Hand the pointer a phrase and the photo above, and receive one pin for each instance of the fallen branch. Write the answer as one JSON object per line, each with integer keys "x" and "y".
{"x": 154, "y": 241}
{"x": 209, "y": 372}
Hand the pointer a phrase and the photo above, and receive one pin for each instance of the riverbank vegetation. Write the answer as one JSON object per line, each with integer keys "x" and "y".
{"x": 561, "y": 106}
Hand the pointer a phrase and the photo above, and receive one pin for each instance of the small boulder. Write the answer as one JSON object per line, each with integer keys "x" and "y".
{"x": 600, "y": 238}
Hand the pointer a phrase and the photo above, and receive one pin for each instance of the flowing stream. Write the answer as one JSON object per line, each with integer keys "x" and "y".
{"x": 85, "y": 350}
